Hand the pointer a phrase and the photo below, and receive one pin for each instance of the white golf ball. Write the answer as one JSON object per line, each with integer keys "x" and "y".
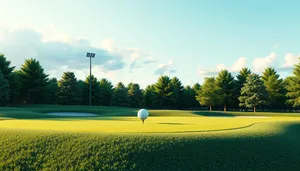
{"x": 143, "y": 114}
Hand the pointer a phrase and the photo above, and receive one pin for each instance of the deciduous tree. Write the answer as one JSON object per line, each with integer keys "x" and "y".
{"x": 209, "y": 95}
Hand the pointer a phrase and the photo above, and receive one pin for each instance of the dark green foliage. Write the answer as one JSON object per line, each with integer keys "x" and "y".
{"x": 196, "y": 88}
{"x": 164, "y": 93}
{"x": 293, "y": 87}
{"x": 68, "y": 89}
{"x": 80, "y": 92}
{"x": 189, "y": 98}
{"x": 239, "y": 83}
{"x": 52, "y": 91}
{"x": 30, "y": 85}
{"x": 106, "y": 92}
{"x": 5, "y": 67}
{"x": 4, "y": 89}
{"x": 13, "y": 80}
{"x": 34, "y": 82}
{"x": 120, "y": 97}
{"x": 178, "y": 93}
{"x": 242, "y": 77}
{"x": 274, "y": 87}
{"x": 225, "y": 82}
{"x": 95, "y": 91}
{"x": 15, "y": 87}
{"x": 149, "y": 96}
{"x": 135, "y": 96}
{"x": 209, "y": 94}
{"x": 253, "y": 93}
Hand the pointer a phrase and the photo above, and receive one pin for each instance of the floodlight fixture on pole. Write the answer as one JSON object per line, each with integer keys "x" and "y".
{"x": 90, "y": 55}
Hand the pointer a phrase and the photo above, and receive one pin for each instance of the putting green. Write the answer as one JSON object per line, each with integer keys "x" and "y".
{"x": 133, "y": 124}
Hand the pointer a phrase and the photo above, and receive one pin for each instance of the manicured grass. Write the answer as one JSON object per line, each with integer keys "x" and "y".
{"x": 274, "y": 148}
{"x": 117, "y": 140}
{"x": 130, "y": 124}
{"x": 38, "y": 112}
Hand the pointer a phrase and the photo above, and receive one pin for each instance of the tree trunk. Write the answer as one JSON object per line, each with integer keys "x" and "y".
{"x": 224, "y": 107}
{"x": 210, "y": 109}
{"x": 254, "y": 109}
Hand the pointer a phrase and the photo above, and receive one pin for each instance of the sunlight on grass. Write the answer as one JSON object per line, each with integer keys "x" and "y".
{"x": 133, "y": 124}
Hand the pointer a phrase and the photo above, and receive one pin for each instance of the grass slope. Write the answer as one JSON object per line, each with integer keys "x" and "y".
{"x": 134, "y": 125}
{"x": 32, "y": 140}
{"x": 276, "y": 148}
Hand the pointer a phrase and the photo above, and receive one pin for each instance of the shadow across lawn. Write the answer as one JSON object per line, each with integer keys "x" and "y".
{"x": 214, "y": 114}
{"x": 172, "y": 123}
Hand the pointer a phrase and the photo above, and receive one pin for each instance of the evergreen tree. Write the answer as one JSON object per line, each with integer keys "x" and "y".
{"x": 120, "y": 97}
{"x": 95, "y": 92}
{"x": 4, "y": 89}
{"x": 52, "y": 91}
{"x": 239, "y": 83}
{"x": 5, "y": 67}
{"x": 80, "y": 94}
{"x": 13, "y": 79}
{"x": 15, "y": 88}
{"x": 135, "y": 96}
{"x": 293, "y": 87}
{"x": 253, "y": 93}
{"x": 226, "y": 83}
{"x": 196, "y": 88}
{"x": 106, "y": 92}
{"x": 68, "y": 89}
{"x": 149, "y": 96}
{"x": 34, "y": 82}
{"x": 178, "y": 92}
{"x": 164, "y": 93}
{"x": 189, "y": 97}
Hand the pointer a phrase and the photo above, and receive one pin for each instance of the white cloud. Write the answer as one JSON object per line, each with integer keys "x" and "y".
{"x": 109, "y": 45}
{"x": 138, "y": 58}
{"x": 165, "y": 68}
{"x": 236, "y": 67}
{"x": 57, "y": 51}
{"x": 52, "y": 34}
{"x": 290, "y": 60}
{"x": 259, "y": 64}
{"x": 54, "y": 51}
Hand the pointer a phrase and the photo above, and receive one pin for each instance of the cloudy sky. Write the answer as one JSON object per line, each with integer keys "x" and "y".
{"x": 139, "y": 40}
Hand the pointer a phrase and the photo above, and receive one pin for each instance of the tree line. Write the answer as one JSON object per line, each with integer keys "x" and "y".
{"x": 247, "y": 91}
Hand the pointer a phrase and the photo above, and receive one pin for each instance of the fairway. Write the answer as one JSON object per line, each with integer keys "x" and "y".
{"x": 125, "y": 120}
{"x": 115, "y": 139}
{"x": 134, "y": 125}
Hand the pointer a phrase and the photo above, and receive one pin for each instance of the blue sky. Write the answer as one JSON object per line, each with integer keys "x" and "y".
{"x": 139, "y": 40}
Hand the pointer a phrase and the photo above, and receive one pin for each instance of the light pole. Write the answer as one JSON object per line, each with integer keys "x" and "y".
{"x": 90, "y": 55}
